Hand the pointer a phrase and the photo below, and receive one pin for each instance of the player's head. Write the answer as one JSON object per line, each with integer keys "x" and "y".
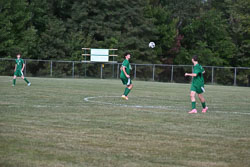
{"x": 127, "y": 55}
{"x": 195, "y": 58}
{"x": 18, "y": 55}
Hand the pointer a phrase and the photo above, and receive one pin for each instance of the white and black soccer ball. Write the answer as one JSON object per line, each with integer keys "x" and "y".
{"x": 151, "y": 44}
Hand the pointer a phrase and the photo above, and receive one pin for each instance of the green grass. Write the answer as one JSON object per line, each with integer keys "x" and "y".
{"x": 50, "y": 124}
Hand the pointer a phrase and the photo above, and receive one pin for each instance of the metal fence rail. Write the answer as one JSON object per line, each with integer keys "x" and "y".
{"x": 150, "y": 72}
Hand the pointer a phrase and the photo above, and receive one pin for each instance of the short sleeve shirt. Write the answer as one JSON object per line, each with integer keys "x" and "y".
{"x": 198, "y": 80}
{"x": 19, "y": 64}
{"x": 128, "y": 68}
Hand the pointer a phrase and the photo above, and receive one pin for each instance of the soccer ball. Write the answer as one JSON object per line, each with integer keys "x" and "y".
{"x": 151, "y": 44}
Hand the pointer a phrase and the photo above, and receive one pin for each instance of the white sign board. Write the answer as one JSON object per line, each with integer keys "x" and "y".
{"x": 99, "y": 55}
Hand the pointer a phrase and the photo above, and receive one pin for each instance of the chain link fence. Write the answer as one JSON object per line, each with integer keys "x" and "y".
{"x": 239, "y": 76}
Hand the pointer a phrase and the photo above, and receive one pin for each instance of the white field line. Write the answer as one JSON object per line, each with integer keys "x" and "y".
{"x": 92, "y": 100}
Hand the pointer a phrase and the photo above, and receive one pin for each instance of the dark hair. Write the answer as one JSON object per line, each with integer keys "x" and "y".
{"x": 18, "y": 54}
{"x": 126, "y": 54}
{"x": 195, "y": 58}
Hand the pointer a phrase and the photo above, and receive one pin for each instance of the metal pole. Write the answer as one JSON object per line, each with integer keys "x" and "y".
{"x": 101, "y": 71}
{"x": 118, "y": 66}
{"x": 153, "y": 72}
{"x": 85, "y": 51}
{"x": 172, "y": 73}
{"x": 235, "y": 75}
{"x": 212, "y": 75}
{"x": 135, "y": 72}
{"x": 51, "y": 68}
{"x": 25, "y": 67}
{"x": 85, "y": 69}
{"x": 73, "y": 69}
{"x": 113, "y": 75}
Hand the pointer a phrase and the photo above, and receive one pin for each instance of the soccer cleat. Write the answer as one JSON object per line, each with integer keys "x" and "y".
{"x": 29, "y": 84}
{"x": 193, "y": 111}
{"x": 13, "y": 85}
{"x": 124, "y": 97}
{"x": 204, "y": 110}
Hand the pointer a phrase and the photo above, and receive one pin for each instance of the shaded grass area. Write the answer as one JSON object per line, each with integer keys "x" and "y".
{"x": 50, "y": 124}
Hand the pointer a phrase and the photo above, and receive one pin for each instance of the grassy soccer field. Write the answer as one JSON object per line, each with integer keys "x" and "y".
{"x": 84, "y": 122}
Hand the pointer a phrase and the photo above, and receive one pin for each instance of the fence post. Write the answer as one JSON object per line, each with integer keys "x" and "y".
{"x": 51, "y": 68}
{"x": 113, "y": 74}
{"x": 118, "y": 66}
{"x": 172, "y": 73}
{"x": 25, "y": 67}
{"x": 73, "y": 69}
{"x": 101, "y": 71}
{"x": 235, "y": 75}
{"x": 135, "y": 72}
{"x": 153, "y": 72}
{"x": 85, "y": 63}
{"x": 212, "y": 81}
{"x": 85, "y": 73}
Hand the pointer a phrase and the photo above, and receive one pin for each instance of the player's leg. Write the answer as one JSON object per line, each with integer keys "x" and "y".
{"x": 25, "y": 79}
{"x": 14, "y": 80}
{"x": 203, "y": 103}
{"x": 193, "y": 102}
{"x": 128, "y": 89}
{"x": 124, "y": 82}
{"x": 129, "y": 86}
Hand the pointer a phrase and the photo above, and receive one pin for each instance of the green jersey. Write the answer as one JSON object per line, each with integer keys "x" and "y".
{"x": 19, "y": 64}
{"x": 127, "y": 66}
{"x": 198, "y": 80}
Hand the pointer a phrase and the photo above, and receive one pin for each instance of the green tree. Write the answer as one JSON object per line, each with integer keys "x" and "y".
{"x": 239, "y": 16}
{"x": 119, "y": 24}
{"x": 52, "y": 41}
{"x": 219, "y": 31}
{"x": 17, "y": 32}
{"x": 166, "y": 33}
{"x": 6, "y": 37}
{"x": 207, "y": 36}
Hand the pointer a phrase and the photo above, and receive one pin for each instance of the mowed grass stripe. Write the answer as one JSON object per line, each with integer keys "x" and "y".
{"x": 50, "y": 124}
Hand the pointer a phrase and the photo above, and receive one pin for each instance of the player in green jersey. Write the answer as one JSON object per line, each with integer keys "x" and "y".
{"x": 125, "y": 76}
{"x": 18, "y": 71}
{"x": 197, "y": 86}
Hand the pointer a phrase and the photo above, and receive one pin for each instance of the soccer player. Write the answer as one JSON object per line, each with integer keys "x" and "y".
{"x": 197, "y": 86}
{"x": 125, "y": 76}
{"x": 18, "y": 71}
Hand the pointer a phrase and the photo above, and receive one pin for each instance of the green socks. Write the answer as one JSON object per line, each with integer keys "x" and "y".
{"x": 126, "y": 92}
{"x": 203, "y": 105}
{"x": 193, "y": 104}
{"x": 14, "y": 82}
{"x": 26, "y": 80}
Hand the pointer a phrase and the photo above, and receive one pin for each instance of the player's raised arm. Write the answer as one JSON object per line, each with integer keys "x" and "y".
{"x": 190, "y": 74}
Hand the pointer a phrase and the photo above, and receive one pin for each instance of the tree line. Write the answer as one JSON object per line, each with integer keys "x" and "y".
{"x": 218, "y": 31}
